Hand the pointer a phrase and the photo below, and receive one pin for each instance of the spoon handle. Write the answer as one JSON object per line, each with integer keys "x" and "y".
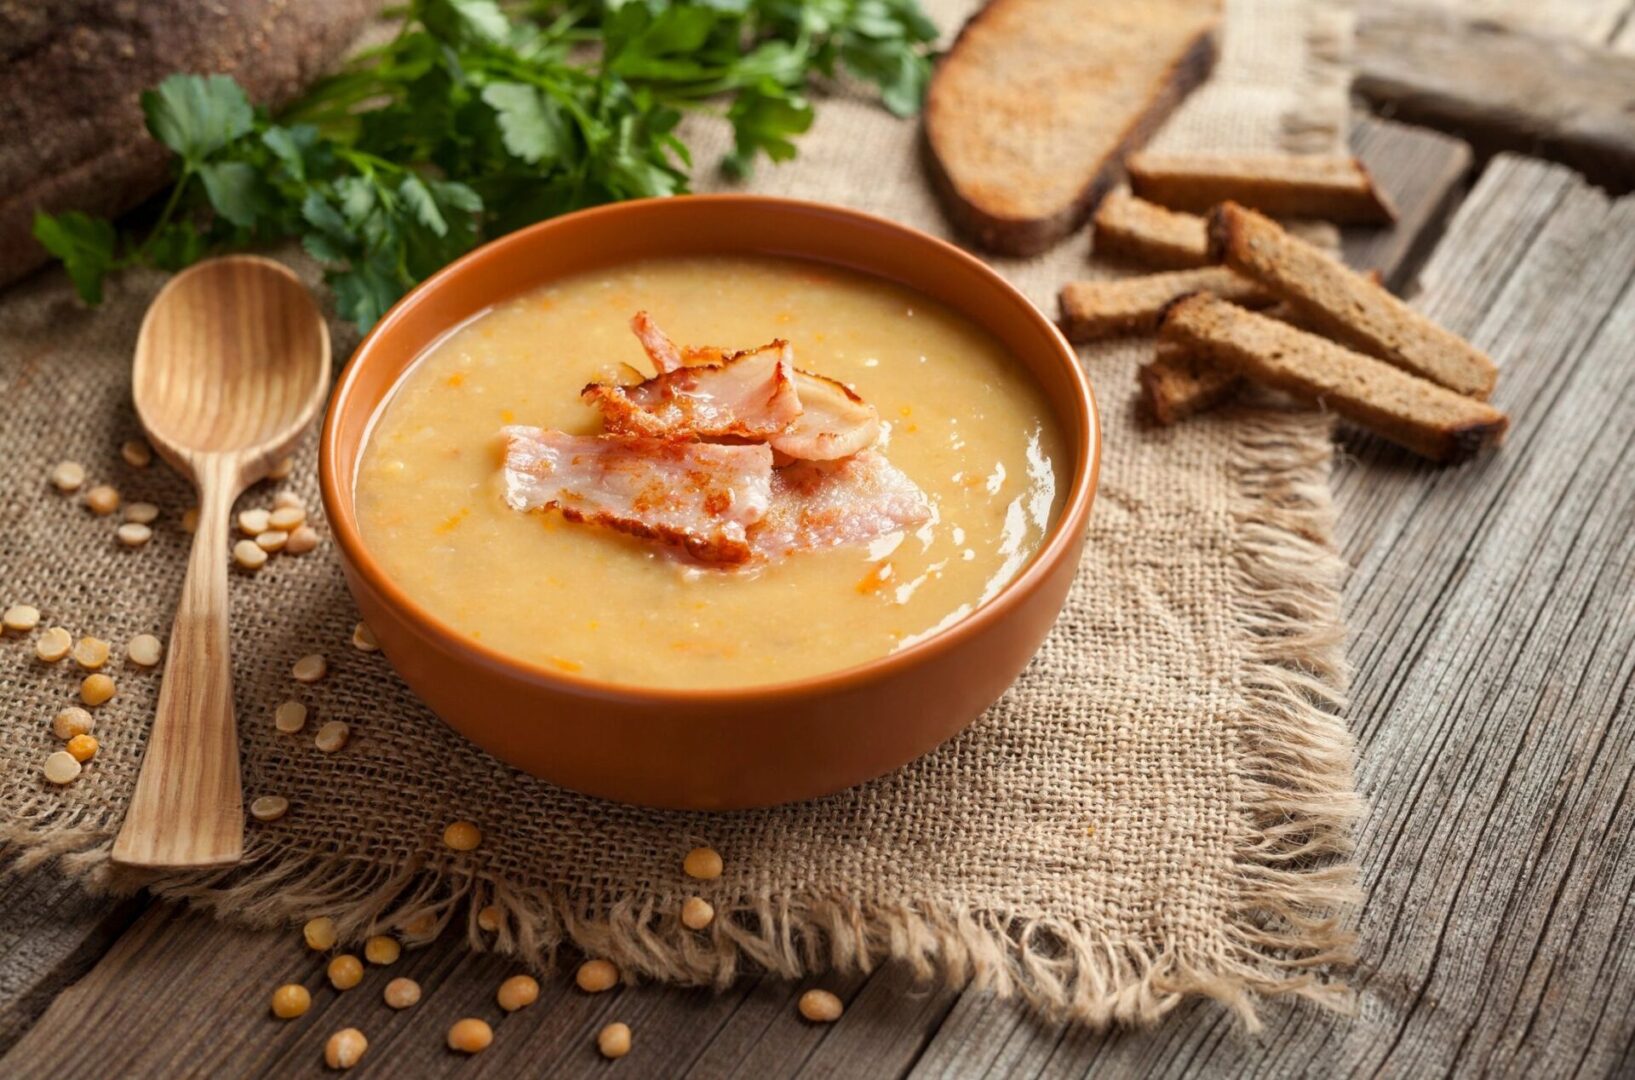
{"x": 188, "y": 808}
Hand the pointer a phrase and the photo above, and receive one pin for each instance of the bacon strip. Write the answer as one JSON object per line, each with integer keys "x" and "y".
{"x": 660, "y": 349}
{"x": 699, "y": 496}
{"x": 833, "y": 423}
{"x": 826, "y": 504}
{"x": 750, "y": 395}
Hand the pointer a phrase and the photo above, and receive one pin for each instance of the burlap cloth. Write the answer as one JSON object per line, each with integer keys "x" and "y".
{"x": 1158, "y": 808}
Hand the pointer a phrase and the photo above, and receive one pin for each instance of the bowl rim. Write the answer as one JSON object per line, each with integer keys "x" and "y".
{"x": 1060, "y": 543}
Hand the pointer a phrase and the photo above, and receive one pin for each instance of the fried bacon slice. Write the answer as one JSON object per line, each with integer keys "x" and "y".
{"x": 660, "y": 349}
{"x": 826, "y": 504}
{"x": 749, "y": 395}
{"x": 833, "y": 422}
{"x": 702, "y": 497}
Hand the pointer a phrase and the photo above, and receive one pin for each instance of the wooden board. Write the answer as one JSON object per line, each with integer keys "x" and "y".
{"x": 1425, "y": 174}
{"x": 1500, "y": 88}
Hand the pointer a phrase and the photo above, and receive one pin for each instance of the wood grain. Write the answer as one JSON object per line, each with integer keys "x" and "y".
{"x": 1426, "y": 173}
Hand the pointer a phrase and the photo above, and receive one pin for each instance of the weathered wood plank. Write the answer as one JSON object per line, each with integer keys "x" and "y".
{"x": 1424, "y": 173}
{"x": 1591, "y": 21}
{"x": 1501, "y": 89}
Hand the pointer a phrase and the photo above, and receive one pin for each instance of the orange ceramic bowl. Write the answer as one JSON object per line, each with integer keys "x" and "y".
{"x": 730, "y": 747}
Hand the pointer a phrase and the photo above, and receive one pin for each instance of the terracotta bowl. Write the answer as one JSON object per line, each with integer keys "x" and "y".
{"x": 736, "y": 747}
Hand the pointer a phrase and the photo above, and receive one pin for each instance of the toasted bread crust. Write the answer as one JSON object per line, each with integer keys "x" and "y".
{"x": 981, "y": 184}
{"x": 1179, "y": 382}
{"x": 1345, "y": 305}
{"x": 1099, "y": 309}
{"x": 1428, "y": 419}
{"x": 1331, "y": 187}
{"x": 1145, "y": 232}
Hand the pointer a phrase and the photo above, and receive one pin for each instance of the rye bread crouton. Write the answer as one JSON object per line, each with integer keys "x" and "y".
{"x": 1030, "y": 113}
{"x": 1136, "y": 229}
{"x": 1334, "y": 188}
{"x": 1132, "y": 305}
{"x": 1428, "y": 419}
{"x": 1343, "y": 304}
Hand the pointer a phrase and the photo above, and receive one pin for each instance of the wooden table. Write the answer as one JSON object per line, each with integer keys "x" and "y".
{"x": 1492, "y": 610}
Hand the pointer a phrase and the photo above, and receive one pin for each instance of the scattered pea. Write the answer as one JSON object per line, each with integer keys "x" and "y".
{"x": 363, "y": 638}
{"x": 702, "y": 863}
{"x": 133, "y": 535}
{"x": 614, "y": 1040}
{"x": 462, "y": 836}
{"x": 381, "y": 950}
{"x": 696, "y": 913}
{"x": 82, "y": 747}
{"x": 61, "y": 767}
{"x": 144, "y": 650}
{"x": 91, "y": 653}
{"x": 269, "y": 807}
{"x": 320, "y": 933}
{"x": 286, "y": 499}
{"x": 310, "y": 669}
{"x": 470, "y": 1036}
{"x": 332, "y": 736}
{"x": 291, "y": 1000}
{"x": 302, "y": 540}
{"x": 595, "y": 976}
{"x": 281, "y": 469}
{"x": 253, "y": 522}
{"x": 248, "y": 555}
{"x": 54, "y": 644}
{"x": 72, "y": 721}
{"x": 272, "y": 540}
{"x": 490, "y": 919}
{"x": 102, "y": 500}
{"x": 345, "y": 971}
{"x": 141, "y": 513}
{"x": 820, "y": 1006}
{"x": 518, "y": 992}
{"x": 136, "y": 453}
{"x": 421, "y": 925}
{"x": 402, "y": 993}
{"x": 290, "y": 717}
{"x": 68, "y": 476}
{"x": 96, "y": 689}
{"x": 21, "y": 618}
{"x": 287, "y": 518}
{"x": 345, "y": 1048}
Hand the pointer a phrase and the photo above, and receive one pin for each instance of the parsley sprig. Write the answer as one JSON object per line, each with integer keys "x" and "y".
{"x": 471, "y": 122}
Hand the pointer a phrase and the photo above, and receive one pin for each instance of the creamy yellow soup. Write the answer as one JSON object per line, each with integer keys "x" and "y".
{"x": 967, "y": 424}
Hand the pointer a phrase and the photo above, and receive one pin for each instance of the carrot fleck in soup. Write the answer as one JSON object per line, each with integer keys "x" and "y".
{"x": 496, "y": 490}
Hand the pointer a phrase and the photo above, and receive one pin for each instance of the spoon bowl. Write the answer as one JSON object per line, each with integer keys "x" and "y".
{"x": 231, "y": 366}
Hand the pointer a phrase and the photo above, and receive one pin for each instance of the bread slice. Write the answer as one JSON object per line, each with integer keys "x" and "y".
{"x": 1137, "y": 229}
{"x": 1344, "y": 305}
{"x": 1100, "y": 309}
{"x": 1335, "y": 188}
{"x": 1030, "y": 112}
{"x": 1412, "y": 412}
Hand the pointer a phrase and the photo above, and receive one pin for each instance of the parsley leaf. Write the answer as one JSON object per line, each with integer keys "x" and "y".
{"x": 196, "y": 116}
{"x": 84, "y": 244}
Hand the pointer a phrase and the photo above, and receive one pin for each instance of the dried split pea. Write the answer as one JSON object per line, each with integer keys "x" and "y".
{"x": 518, "y": 992}
{"x": 291, "y": 1000}
{"x": 332, "y": 736}
{"x": 141, "y": 513}
{"x": 470, "y": 1036}
{"x": 82, "y": 747}
{"x": 290, "y": 717}
{"x": 595, "y": 976}
{"x": 91, "y": 653}
{"x": 102, "y": 500}
{"x": 281, "y": 469}
{"x": 702, "y": 863}
{"x": 309, "y": 668}
{"x": 345, "y": 971}
{"x": 286, "y": 499}
{"x": 490, "y": 919}
{"x": 696, "y": 913}
{"x": 363, "y": 638}
{"x": 382, "y": 950}
{"x": 302, "y": 540}
{"x": 72, "y": 721}
{"x": 320, "y": 933}
{"x": 248, "y": 555}
{"x": 96, "y": 689}
{"x": 272, "y": 540}
{"x": 68, "y": 476}
{"x": 190, "y": 519}
{"x": 253, "y": 522}
{"x": 61, "y": 767}
{"x": 287, "y": 518}
{"x": 133, "y": 535}
{"x": 820, "y": 1007}
{"x": 269, "y": 807}
{"x": 614, "y": 1040}
{"x": 136, "y": 453}
{"x": 402, "y": 993}
{"x": 421, "y": 925}
{"x": 144, "y": 650}
{"x": 54, "y": 644}
{"x": 462, "y": 836}
{"x": 345, "y": 1048}
{"x": 21, "y": 617}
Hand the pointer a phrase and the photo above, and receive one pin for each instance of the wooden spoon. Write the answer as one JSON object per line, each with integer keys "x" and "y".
{"x": 231, "y": 366}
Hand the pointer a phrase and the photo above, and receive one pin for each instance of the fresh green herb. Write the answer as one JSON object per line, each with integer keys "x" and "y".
{"x": 470, "y": 123}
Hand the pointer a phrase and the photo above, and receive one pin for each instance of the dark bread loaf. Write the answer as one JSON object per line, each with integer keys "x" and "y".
{"x": 1031, "y": 111}
{"x": 71, "y": 75}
